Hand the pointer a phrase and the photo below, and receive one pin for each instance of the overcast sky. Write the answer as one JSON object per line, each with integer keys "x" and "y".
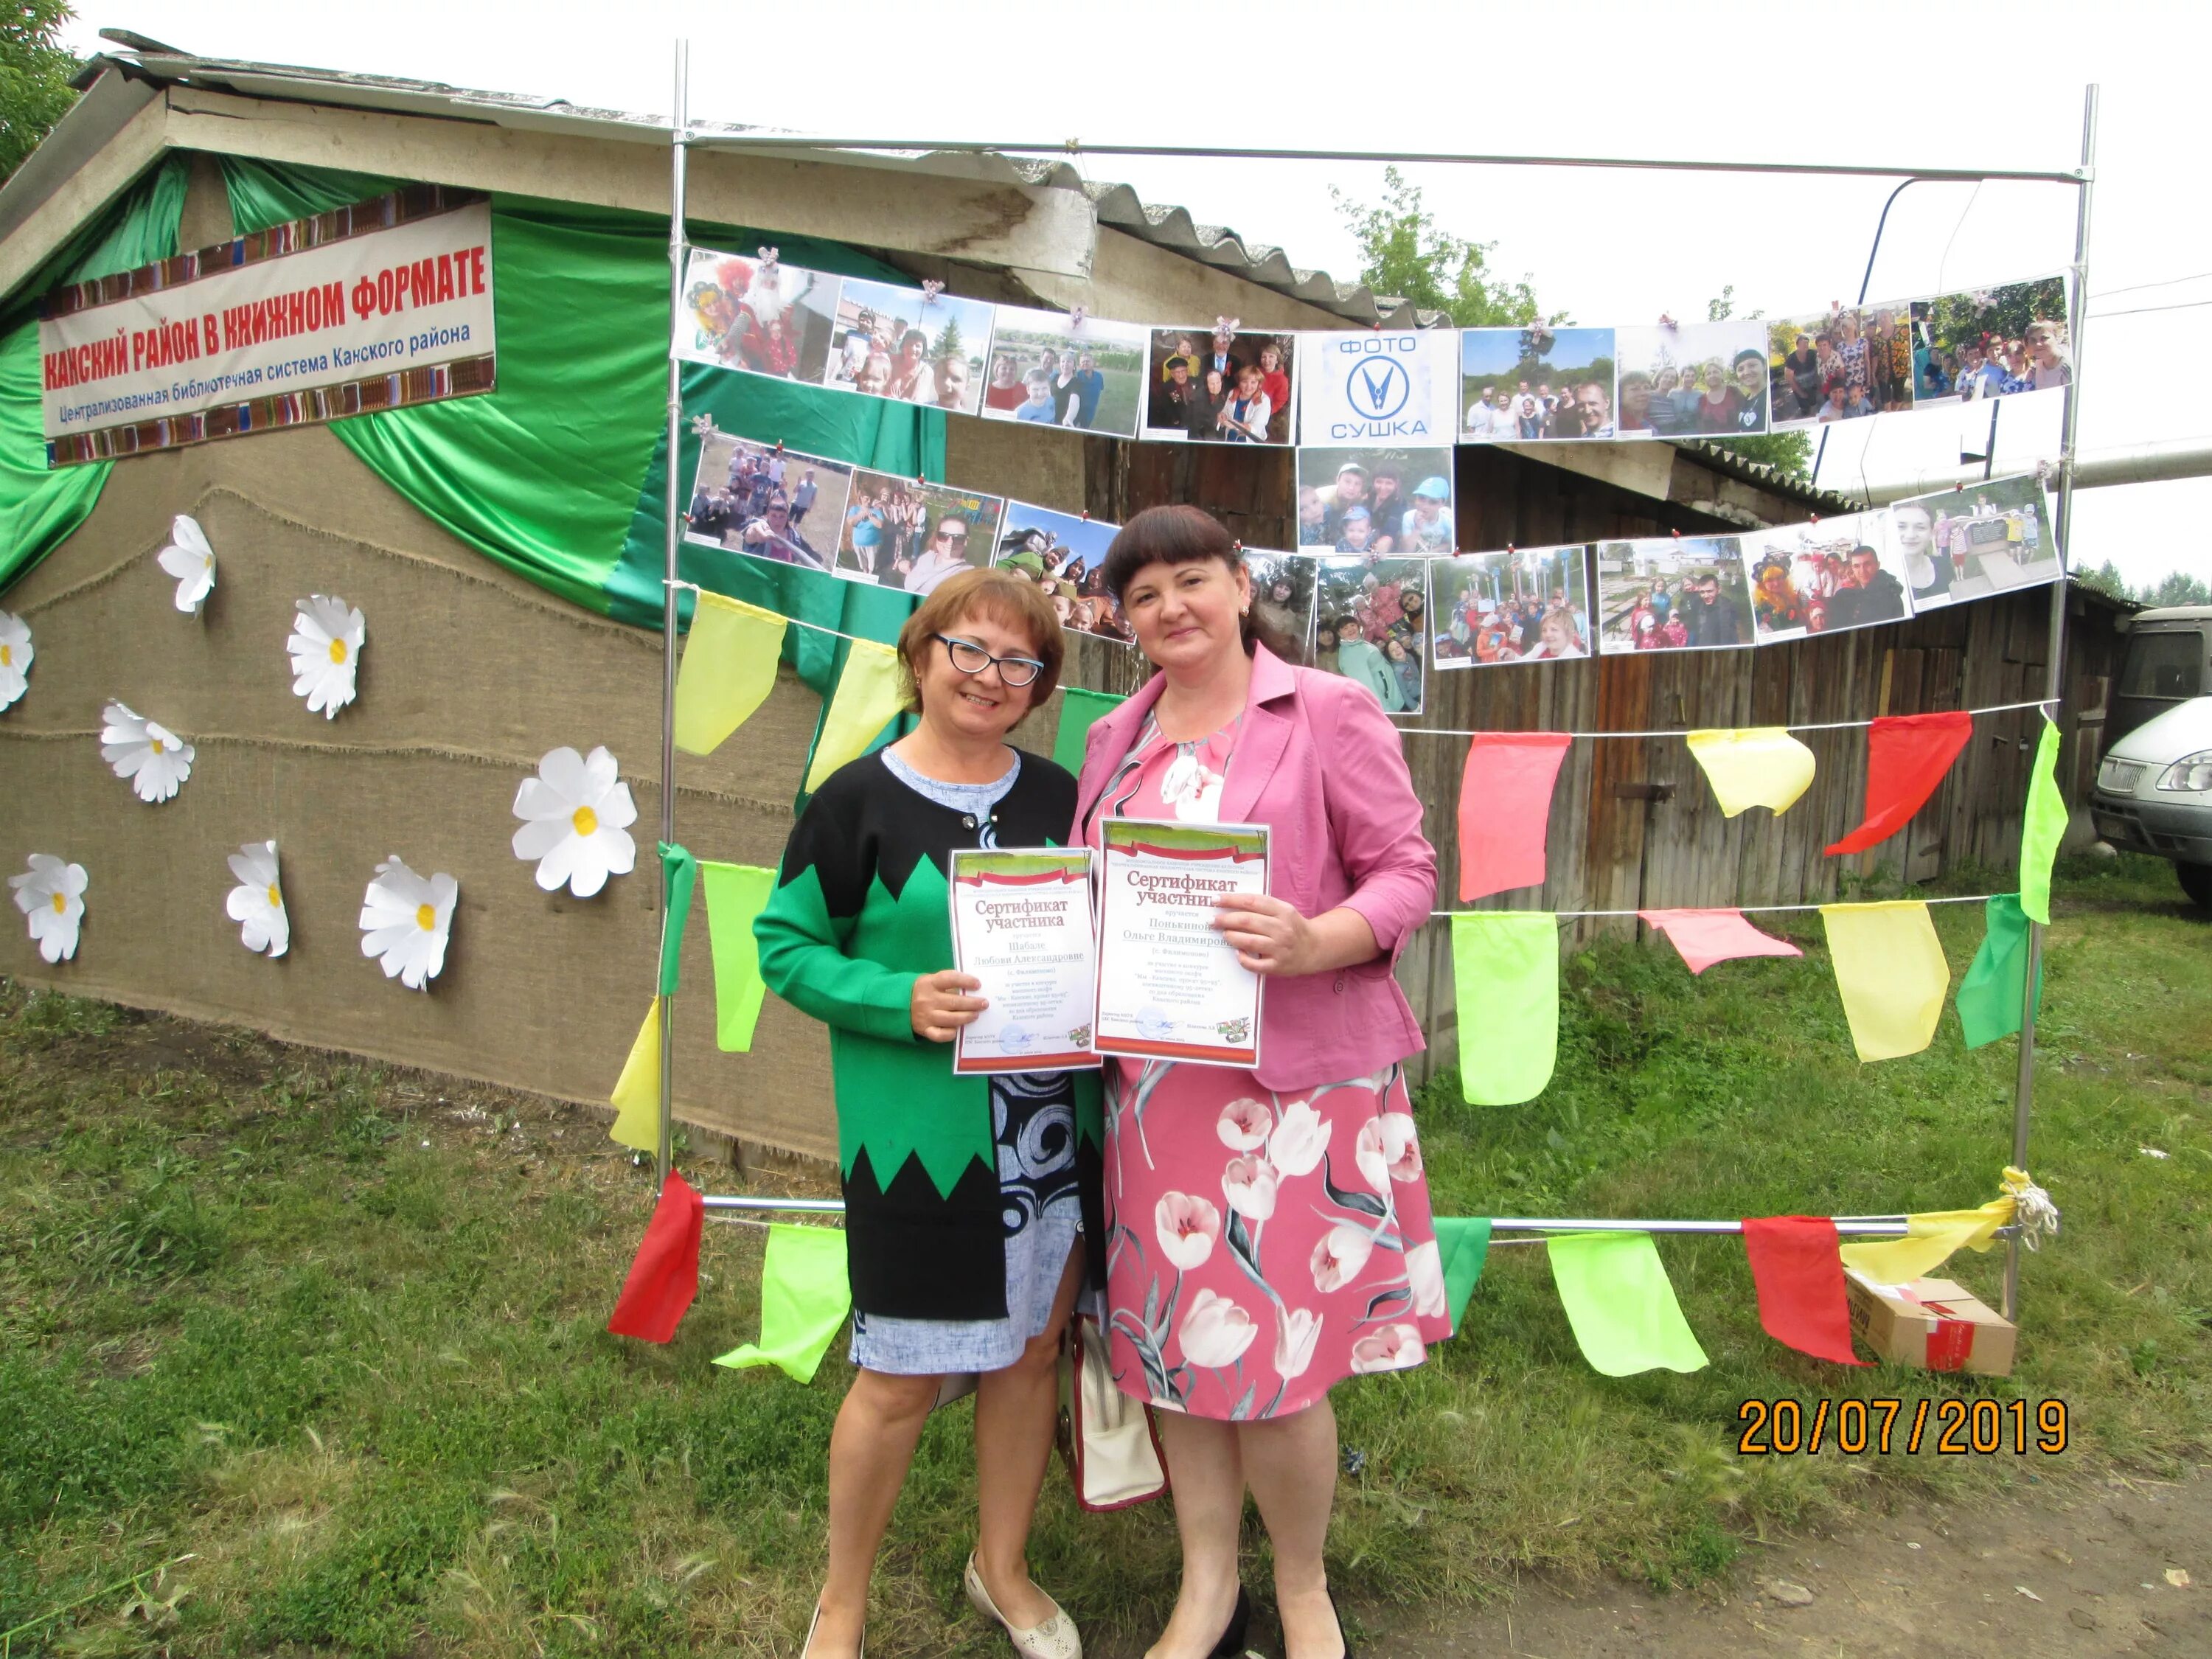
{"x": 1954, "y": 85}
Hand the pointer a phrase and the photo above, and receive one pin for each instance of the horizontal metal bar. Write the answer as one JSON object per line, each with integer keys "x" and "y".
{"x": 790, "y": 1206}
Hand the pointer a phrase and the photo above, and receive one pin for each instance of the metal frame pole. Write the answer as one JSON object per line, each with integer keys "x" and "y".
{"x": 670, "y": 593}
{"x": 2024, "y": 1086}
{"x": 1880, "y": 225}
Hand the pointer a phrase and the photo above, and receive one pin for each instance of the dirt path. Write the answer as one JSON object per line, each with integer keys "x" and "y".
{"x": 1922, "y": 1583}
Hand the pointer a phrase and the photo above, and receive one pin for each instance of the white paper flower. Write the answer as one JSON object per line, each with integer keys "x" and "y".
{"x": 51, "y": 893}
{"x": 576, "y": 816}
{"x": 15, "y": 655}
{"x": 154, "y": 759}
{"x": 405, "y": 920}
{"x": 190, "y": 559}
{"x": 257, "y": 903}
{"x": 325, "y": 645}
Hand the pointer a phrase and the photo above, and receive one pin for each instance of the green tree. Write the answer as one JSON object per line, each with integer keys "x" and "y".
{"x": 35, "y": 77}
{"x": 1403, "y": 253}
{"x": 1786, "y": 452}
{"x": 2106, "y": 579}
{"x": 2179, "y": 587}
{"x": 949, "y": 343}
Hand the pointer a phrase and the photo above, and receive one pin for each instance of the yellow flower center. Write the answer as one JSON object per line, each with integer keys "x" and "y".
{"x": 275, "y": 899}
{"x": 584, "y": 820}
{"x": 7, "y": 656}
{"x": 337, "y": 651}
{"x": 426, "y": 917}
{"x": 61, "y": 904}
{"x": 156, "y": 742}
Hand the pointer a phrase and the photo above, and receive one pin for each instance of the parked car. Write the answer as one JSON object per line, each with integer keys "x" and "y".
{"x": 2168, "y": 661}
{"x": 2153, "y": 793}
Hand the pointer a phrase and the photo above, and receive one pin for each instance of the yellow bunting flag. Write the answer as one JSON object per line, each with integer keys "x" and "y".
{"x": 636, "y": 1098}
{"x": 1759, "y": 766}
{"x": 728, "y": 670}
{"x": 867, "y": 699}
{"x": 1929, "y": 1241}
{"x": 1891, "y": 972}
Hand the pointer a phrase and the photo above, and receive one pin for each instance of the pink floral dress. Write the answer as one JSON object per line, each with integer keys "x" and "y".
{"x": 1260, "y": 1247}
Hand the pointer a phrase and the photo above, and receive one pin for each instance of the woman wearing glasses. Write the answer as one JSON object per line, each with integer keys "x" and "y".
{"x": 967, "y": 1199}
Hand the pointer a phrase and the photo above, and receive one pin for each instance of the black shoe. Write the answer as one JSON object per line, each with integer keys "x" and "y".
{"x": 1233, "y": 1638}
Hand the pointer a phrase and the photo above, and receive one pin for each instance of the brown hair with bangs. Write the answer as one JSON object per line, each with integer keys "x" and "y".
{"x": 1181, "y": 535}
{"x": 1003, "y": 595}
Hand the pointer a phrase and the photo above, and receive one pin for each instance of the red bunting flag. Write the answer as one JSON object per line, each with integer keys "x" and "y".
{"x": 1907, "y": 756}
{"x": 664, "y": 1277}
{"x": 1800, "y": 1280}
{"x": 1705, "y": 937}
{"x": 1505, "y": 808}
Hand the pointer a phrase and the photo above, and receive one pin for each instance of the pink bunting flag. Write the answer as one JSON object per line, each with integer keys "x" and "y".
{"x": 1705, "y": 937}
{"x": 1505, "y": 808}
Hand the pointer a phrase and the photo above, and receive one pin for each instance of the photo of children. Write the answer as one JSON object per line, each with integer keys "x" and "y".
{"x": 1839, "y": 366}
{"x": 1283, "y": 587}
{"x": 1695, "y": 380}
{"x": 1220, "y": 385}
{"x": 1049, "y": 370}
{"x": 1991, "y": 343}
{"x": 1536, "y": 384}
{"x": 1376, "y": 500}
{"x": 1685, "y": 593}
{"x": 770, "y": 319}
{"x": 899, "y": 532}
{"x": 1530, "y": 605}
{"x": 1371, "y": 624}
{"x": 891, "y": 342}
{"x": 1970, "y": 543}
{"x": 1066, "y": 556}
{"x": 1823, "y": 577}
{"x": 757, "y": 498}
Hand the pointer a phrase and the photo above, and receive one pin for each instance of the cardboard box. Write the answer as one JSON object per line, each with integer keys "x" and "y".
{"x": 1932, "y": 1323}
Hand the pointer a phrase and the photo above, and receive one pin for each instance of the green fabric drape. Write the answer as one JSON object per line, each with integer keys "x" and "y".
{"x": 39, "y": 508}
{"x": 543, "y": 474}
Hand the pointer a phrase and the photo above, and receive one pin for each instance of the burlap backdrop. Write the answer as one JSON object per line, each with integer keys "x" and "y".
{"x": 468, "y": 676}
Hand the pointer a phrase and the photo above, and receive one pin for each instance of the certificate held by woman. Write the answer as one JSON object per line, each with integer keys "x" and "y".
{"x": 1169, "y": 984}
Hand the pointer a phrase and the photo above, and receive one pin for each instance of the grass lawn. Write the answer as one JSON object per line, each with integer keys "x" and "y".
{"x": 334, "y": 1331}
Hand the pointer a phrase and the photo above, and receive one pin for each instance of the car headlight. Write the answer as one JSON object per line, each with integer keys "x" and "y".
{"x": 2191, "y": 774}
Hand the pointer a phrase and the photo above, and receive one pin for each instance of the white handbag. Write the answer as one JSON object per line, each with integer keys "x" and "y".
{"x": 1116, "y": 1451}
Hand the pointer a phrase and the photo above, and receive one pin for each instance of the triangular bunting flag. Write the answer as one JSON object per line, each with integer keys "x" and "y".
{"x": 1907, "y": 756}
{"x": 664, "y": 1278}
{"x": 1759, "y": 766}
{"x": 1705, "y": 937}
{"x": 1992, "y": 996}
{"x": 735, "y": 894}
{"x": 1505, "y": 968}
{"x": 1463, "y": 1242}
{"x": 636, "y": 1098}
{"x": 1891, "y": 972}
{"x": 2042, "y": 827}
{"x": 1622, "y": 1305}
{"x": 867, "y": 700}
{"x": 1800, "y": 1282}
{"x": 1505, "y": 809}
{"x": 805, "y": 1294}
{"x": 728, "y": 670}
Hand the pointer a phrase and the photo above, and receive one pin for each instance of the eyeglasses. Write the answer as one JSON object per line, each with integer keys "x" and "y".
{"x": 970, "y": 658}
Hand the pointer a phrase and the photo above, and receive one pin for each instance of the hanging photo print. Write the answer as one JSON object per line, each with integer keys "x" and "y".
{"x": 1066, "y": 556}
{"x": 1219, "y": 385}
{"x": 1536, "y": 384}
{"x": 906, "y": 533}
{"x": 1697, "y": 380}
{"x": 1822, "y": 578}
{"x": 1991, "y": 343}
{"x": 1528, "y": 604}
{"x": 1974, "y": 541}
{"x": 755, "y": 498}
{"x": 1678, "y": 594}
{"x": 1374, "y": 387}
{"x": 1839, "y": 365}
{"x": 1282, "y": 589}
{"x": 1371, "y": 624}
{"x": 1376, "y": 500}
{"x": 909, "y": 345}
{"x": 754, "y": 314}
{"x": 1050, "y": 368}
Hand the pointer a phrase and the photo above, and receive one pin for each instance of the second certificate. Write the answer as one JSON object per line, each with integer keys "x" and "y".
{"x": 1169, "y": 987}
{"x": 1021, "y": 924}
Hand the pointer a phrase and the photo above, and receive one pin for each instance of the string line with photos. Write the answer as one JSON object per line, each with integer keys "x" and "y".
{"x": 1221, "y": 381}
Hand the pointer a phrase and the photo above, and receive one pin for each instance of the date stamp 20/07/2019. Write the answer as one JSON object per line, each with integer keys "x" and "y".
{"x": 1959, "y": 1428}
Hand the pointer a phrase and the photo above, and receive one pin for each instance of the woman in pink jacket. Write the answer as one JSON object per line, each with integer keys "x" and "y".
{"x": 1267, "y": 1231}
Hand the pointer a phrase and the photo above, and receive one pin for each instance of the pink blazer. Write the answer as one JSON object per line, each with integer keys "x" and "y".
{"x": 1320, "y": 765}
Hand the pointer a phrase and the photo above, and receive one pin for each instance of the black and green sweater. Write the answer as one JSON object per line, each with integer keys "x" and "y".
{"x": 862, "y": 908}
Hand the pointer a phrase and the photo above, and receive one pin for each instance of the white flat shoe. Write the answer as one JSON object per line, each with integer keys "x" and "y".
{"x": 1055, "y": 1638}
{"x": 807, "y": 1646}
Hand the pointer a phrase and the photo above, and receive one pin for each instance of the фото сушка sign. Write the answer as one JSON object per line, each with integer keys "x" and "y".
{"x": 375, "y": 306}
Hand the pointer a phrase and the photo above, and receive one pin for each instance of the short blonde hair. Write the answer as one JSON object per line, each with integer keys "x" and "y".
{"x": 1006, "y": 597}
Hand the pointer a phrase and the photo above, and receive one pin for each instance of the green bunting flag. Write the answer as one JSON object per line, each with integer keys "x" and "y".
{"x": 1622, "y": 1305}
{"x": 1079, "y": 710}
{"x": 1464, "y": 1243}
{"x": 2042, "y": 827}
{"x": 804, "y": 1297}
{"x": 735, "y": 894}
{"x": 1505, "y": 964}
{"x": 679, "y": 874}
{"x": 1990, "y": 996}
